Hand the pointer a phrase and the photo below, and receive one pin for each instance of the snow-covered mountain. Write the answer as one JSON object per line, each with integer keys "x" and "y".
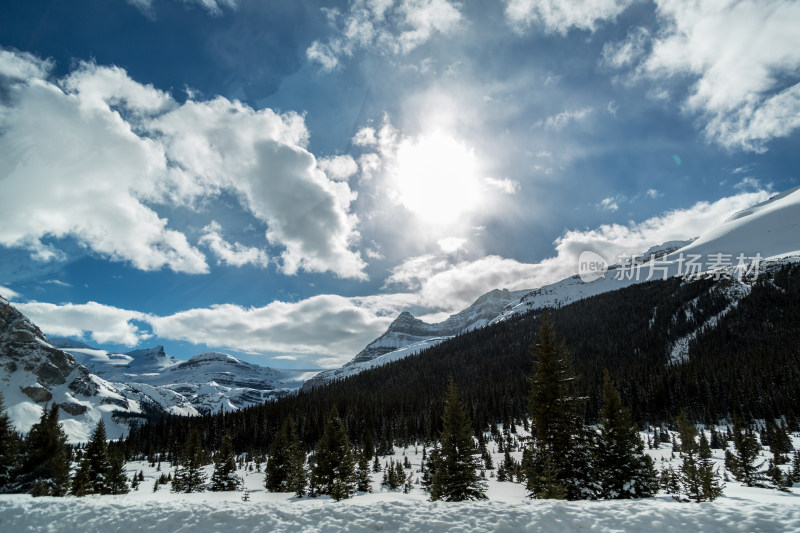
{"x": 123, "y": 367}
{"x": 771, "y": 229}
{"x": 89, "y": 384}
{"x": 409, "y": 335}
{"x": 208, "y": 381}
{"x": 35, "y": 373}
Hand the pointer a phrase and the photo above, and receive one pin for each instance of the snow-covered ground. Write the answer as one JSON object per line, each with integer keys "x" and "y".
{"x": 508, "y": 509}
{"x": 225, "y": 512}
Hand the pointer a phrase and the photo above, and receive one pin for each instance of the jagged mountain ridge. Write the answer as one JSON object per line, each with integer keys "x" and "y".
{"x": 208, "y": 381}
{"x": 407, "y": 335}
{"x": 35, "y": 373}
{"x": 89, "y": 384}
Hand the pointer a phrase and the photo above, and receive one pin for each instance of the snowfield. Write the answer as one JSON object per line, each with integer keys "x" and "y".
{"x": 507, "y": 510}
{"x": 225, "y": 512}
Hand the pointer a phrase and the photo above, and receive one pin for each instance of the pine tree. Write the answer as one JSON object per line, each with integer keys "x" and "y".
{"x": 92, "y": 474}
{"x": 561, "y": 457}
{"x": 670, "y": 481}
{"x": 697, "y": 474}
{"x": 506, "y": 468}
{"x": 778, "y": 441}
{"x": 624, "y": 469}
{"x": 776, "y": 476}
{"x": 45, "y": 469}
{"x": 334, "y": 466}
{"x": 297, "y": 478}
{"x": 82, "y": 481}
{"x": 116, "y": 482}
{"x": 189, "y": 475}
{"x": 393, "y": 475}
{"x": 9, "y": 449}
{"x": 795, "y": 472}
{"x": 542, "y": 475}
{"x": 429, "y": 467}
{"x": 224, "y": 477}
{"x": 709, "y": 479}
{"x": 454, "y": 477}
{"x": 363, "y": 479}
{"x": 280, "y": 458}
{"x": 742, "y": 464}
{"x": 369, "y": 445}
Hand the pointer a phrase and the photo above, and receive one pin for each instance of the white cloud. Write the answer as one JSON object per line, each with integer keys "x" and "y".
{"x": 339, "y": 167}
{"x": 8, "y": 294}
{"x": 326, "y": 325}
{"x": 235, "y": 254}
{"x": 557, "y": 122}
{"x": 504, "y": 185}
{"x": 57, "y": 282}
{"x": 102, "y": 322}
{"x": 744, "y": 57}
{"x": 610, "y": 203}
{"x": 120, "y": 147}
{"x": 653, "y": 193}
{"x": 443, "y": 285}
{"x": 331, "y": 329}
{"x": 365, "y": 137}
{"x": 214, "y": 7}
{"x": 627, "y": 52}
{"x": 72, "y": 166}
{"x": 559, "y": 16}
{"x": 393, "y": 27}
{"x": 22, "y": 66}
{"x": 261, "y": 156}
{"x": 451, "y": 245}
{"x": 752, "y": 184}
{"x": 370, "y": 165}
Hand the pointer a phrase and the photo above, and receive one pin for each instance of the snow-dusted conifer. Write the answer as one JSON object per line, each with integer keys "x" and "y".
{"x": 189, "y": 475}
{"x": 9, "y": 449}
{"x": 334, "y": 466}
{"x": 455, "y": 475}
{"x": 625, "y": 471}
{"x": 224, "y": 477}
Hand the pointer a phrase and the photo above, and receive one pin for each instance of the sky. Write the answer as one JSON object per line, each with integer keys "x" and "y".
{"x": 279, "y": 180}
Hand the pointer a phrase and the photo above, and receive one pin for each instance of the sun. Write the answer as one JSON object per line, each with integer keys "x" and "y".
{"x": 436, "y": 178}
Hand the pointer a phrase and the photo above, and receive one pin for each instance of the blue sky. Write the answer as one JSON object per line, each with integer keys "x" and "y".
{"x": 279, "y": 180}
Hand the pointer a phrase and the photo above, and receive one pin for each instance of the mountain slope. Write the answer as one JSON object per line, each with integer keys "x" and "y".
{"x": 35, "y": 373}
{"x": 208, "y": 381}
{"x": 408, "y": 335}
{"x": 771, "y": 229}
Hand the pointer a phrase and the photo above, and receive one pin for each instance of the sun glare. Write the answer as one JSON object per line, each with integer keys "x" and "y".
{"x": 436, "y": 178}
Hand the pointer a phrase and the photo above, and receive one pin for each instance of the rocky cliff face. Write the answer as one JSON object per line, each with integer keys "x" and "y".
{"x": 23, "y": 346}
{"x": 34, "y": 373}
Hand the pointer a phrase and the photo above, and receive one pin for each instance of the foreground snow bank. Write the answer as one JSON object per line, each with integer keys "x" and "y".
{"x": 225, "y": 512}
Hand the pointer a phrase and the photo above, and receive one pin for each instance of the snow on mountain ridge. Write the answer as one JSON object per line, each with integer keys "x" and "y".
{"x": 207, "y": 382}
{"x": 35, "y": 373}
{"x": 407, "y": 335}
